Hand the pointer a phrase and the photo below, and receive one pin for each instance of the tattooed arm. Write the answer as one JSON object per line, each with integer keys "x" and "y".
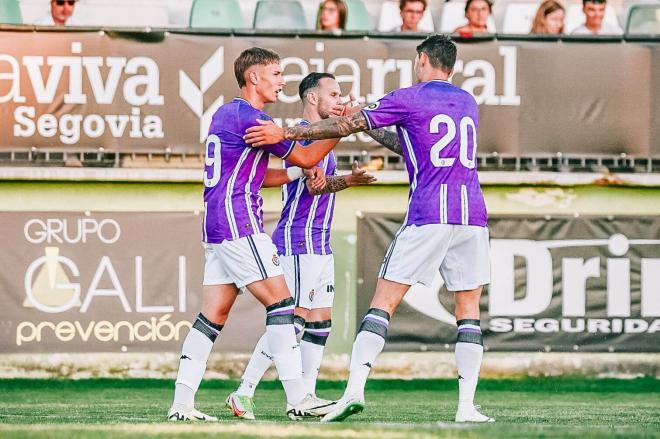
{"x": 386, "y": 138}
{"x": 329, "y": 128}
{"x": 267, "y": 133}
{"x": 357, "y": 177}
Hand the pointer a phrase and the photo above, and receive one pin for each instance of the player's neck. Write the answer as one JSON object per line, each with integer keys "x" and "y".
{"x": 436, "y": 75}
{"x": 310, "y": 115}
{"x": 251, "y": 95}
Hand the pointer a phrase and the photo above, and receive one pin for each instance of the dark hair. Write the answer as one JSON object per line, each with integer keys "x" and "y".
{"x": 311, "y": 81}
{"x": 341, "y": 8}
{"x": 489, "y": 2}
{"x": 441, "y": 51}
{"x": 402, "y": 3}
{"x": 584, "y": 2}
{"x": 250, "y": 57}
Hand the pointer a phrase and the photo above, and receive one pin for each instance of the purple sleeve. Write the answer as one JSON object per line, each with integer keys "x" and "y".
{"x": 282, "y": 149}
{"x": 391, "y": 109}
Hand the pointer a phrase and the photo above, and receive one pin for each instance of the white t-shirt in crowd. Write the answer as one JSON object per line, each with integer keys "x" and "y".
{"x": 605, "y": 29}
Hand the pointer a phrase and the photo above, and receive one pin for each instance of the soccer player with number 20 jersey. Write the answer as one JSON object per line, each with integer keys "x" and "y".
{"x": 446, "y": 223}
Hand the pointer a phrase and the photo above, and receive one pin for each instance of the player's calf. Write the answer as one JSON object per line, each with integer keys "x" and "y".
{"x": 312, "y": 347}
{"x": 192, "y": 365}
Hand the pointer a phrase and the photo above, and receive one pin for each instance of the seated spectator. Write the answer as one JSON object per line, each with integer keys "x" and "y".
{"x": 332, "y": 15}
{"x": 411, "y": 14}
{"x": 61, "y": 14}
{"x": 549, "y": 18}
{"x": 477, "y": 13}
{"x": 594, "y": 12}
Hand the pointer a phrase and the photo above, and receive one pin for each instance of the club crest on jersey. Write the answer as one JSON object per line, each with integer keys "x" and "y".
{"x": 372, "y": 106}
{"x": 276, "y": 261}
{"x": 311, "y": 295}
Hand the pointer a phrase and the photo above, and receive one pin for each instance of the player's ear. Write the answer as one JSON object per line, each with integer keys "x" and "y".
{"x": 253, "y": 77}
{"x": 312, "y": 98}
{"x": 423, "y": 59}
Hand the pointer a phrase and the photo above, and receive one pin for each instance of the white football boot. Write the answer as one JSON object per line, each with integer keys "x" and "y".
{"x": 470, "y": 413}
{"x": 310, "y": 407}
{"x": 193, "y": 415}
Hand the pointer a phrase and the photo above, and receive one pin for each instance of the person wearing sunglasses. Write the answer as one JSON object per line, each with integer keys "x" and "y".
{"x": 61, "y": 14}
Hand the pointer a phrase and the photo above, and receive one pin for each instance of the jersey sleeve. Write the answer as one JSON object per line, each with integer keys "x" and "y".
{"x": 391, "y": 109}
{"x": 282, "y": 149}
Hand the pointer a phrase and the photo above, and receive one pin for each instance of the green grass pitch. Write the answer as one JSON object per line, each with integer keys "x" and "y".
{"x": 524, "y": 408}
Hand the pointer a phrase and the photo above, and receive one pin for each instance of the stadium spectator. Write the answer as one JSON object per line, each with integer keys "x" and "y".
{"x": 594, "y": 12}
{"x": 549, "y": 18}
{"x": 332, "y": 15}
{"x": 411, "y": 14}
{"x": 477, "y": 13}
{"x": 61, "y": 14}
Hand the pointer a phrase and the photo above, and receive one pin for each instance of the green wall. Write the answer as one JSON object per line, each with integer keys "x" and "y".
{"x": 97, "y": 196}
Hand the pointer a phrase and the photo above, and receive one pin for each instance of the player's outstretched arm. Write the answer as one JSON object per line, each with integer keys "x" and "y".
{"x": 357, "y": 177}
{"x": 329, "y": 128}
{"x": 267, "y": 133}
{"x": 278, "y": 177}
{"x": 386, "y": 138}
{"x": 310, "y": 155}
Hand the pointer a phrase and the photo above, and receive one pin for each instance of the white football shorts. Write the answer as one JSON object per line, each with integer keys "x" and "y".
{"x": 311, "y": 279}
{"x": 461, "y": 253}
{"x": 241, "y": 261}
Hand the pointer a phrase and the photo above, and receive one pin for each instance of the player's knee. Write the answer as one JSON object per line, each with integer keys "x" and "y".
{"x": 317, "y": 332}
{"x": 215, "y": 315}
{"x": 280, "y": 313}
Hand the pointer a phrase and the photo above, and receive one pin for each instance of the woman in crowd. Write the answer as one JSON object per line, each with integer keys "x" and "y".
{"x": 549, "y": 18}
{"x": 332, "y": 15}
{"x": 477, "y": 13}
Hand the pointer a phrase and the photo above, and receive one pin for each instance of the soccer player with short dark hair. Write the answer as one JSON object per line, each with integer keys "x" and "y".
{"x": 445, "y": 227}
{"x": 238, "y": 252}
{"x": 302, "y": 238}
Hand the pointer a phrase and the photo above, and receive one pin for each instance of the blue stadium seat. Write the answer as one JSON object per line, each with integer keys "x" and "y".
{"x": 10, "y": 12}
{"x": 643, "y": 20}
{"x": 216, "y": 14}
{"x": 279, "y": 14}
{"x": 357, "y": 17}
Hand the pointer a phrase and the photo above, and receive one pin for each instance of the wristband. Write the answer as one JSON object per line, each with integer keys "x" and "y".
{"x": 294, "y": 173}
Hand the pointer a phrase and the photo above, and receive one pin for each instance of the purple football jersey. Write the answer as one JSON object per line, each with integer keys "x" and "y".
{"x": 304, "y": 226}
{"x": 234, "y": 172}
{"x": 437, "y": 124}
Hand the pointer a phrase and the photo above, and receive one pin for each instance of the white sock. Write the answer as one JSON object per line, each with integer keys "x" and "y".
{"x": 192, "y": 364}
{"x": 469, "y": 353}
{"x": 369, "y": 342}
{"x": 312, "y": 347}
{"x": 284, "y": 348}
{"x": 259, "y": 363}
{"x": 312, "y": 355}
{"x": 184, "y": 397}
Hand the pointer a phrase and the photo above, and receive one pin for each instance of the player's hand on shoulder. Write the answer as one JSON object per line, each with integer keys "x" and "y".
{"x": 266, "y": 133}
{"x": 315, "y": 177}
{"x": 358, "y": 176}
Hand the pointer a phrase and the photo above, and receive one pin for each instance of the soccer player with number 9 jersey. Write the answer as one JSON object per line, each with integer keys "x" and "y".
{"x": 445, "y": 227}
{"x": 238, "y": 252}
